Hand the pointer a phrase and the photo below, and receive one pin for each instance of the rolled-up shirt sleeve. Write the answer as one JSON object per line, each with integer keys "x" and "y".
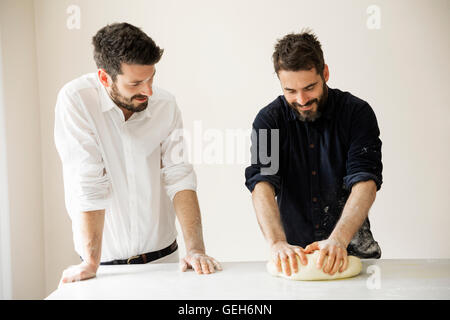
{"x": 177, "y": 173}
{"x": 265, "y": 152}
{"x": 86, "y": 182}
{"x": 364, "y": 155}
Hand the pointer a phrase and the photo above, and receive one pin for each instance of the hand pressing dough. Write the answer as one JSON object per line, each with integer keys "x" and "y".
{"x": 311, "y": 272}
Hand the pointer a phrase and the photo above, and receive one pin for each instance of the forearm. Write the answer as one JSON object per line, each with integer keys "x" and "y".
{"x": 187, "y": 209}
{"x": 91, "y": 230}
{"x": 267, "y": 212}
{"x": 355, "y": 211}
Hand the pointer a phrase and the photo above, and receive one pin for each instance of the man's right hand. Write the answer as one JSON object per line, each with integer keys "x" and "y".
{"x": 90, "y": 227}
{"x": 284, "y": 256}
{"x": 82, "y": 271}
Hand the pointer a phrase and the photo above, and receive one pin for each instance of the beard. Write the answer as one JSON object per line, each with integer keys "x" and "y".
{"x": 127, "y": 103}
{"x": 311, "y": 115}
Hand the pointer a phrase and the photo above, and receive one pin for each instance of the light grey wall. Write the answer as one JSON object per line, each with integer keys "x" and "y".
{"x": 21, "y": 116}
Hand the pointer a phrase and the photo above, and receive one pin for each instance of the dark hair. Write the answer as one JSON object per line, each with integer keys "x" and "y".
{"x": 298, "y": 51}
{"x": 123, "y": 42}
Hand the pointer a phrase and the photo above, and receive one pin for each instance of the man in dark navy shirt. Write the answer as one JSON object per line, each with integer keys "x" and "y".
{"x": 316, "y": 164}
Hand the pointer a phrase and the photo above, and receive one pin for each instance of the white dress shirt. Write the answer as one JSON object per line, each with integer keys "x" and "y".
{"x": 132, "y": 168}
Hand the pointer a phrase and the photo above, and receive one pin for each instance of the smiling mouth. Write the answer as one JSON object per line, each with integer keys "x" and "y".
{"x": 305, "y": 108}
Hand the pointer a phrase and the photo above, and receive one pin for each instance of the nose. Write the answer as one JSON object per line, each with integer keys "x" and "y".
{"x": 147, "y": 89}
{"x": 302, "y": 98}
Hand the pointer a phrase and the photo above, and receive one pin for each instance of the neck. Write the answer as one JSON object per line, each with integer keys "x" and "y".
{"x": 126, "y": 113}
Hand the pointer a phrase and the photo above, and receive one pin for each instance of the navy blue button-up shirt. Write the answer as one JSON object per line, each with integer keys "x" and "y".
{"x": 319, "y": 162}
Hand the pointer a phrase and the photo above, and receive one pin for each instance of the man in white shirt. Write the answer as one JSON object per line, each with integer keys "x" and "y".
{"x": 125, "y": 177}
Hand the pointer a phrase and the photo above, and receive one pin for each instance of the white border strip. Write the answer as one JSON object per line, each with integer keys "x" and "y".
{"x": 5, "y": 241}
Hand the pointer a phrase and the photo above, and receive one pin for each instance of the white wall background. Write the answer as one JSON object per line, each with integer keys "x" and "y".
{"x": 217, "y": 62}
{"x": 21, "y": 127}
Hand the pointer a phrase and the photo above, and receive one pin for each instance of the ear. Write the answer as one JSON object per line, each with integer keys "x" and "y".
{"x": 326, "y": 73}
{"x": 104, "y": 77}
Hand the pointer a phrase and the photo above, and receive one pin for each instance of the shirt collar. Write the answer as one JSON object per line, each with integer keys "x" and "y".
{"x": 327, "y": 113}
{"x": 107, "y": 104}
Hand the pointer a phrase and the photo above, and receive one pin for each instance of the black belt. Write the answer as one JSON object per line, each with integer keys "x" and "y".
{"x": 146, "y": 257}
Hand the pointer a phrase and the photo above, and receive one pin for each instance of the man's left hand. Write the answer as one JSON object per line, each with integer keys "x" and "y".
{"x": 200, "y": 262}
{"x": 337, "y": 255}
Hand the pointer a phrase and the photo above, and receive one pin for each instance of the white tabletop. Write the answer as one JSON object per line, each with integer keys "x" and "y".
{"x": 380, "y": 279}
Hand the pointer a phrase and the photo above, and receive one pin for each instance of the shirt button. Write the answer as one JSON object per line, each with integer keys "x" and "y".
{"x": 311, "y": 145}
{"x": 314, "y": 173}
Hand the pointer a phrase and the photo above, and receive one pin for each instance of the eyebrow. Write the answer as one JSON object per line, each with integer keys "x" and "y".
{"x": 139, "y": 81}
{"x": 309, "y": 85}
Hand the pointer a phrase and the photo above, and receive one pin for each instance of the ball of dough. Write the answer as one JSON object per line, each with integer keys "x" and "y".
{"x": 311, "y": 272}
